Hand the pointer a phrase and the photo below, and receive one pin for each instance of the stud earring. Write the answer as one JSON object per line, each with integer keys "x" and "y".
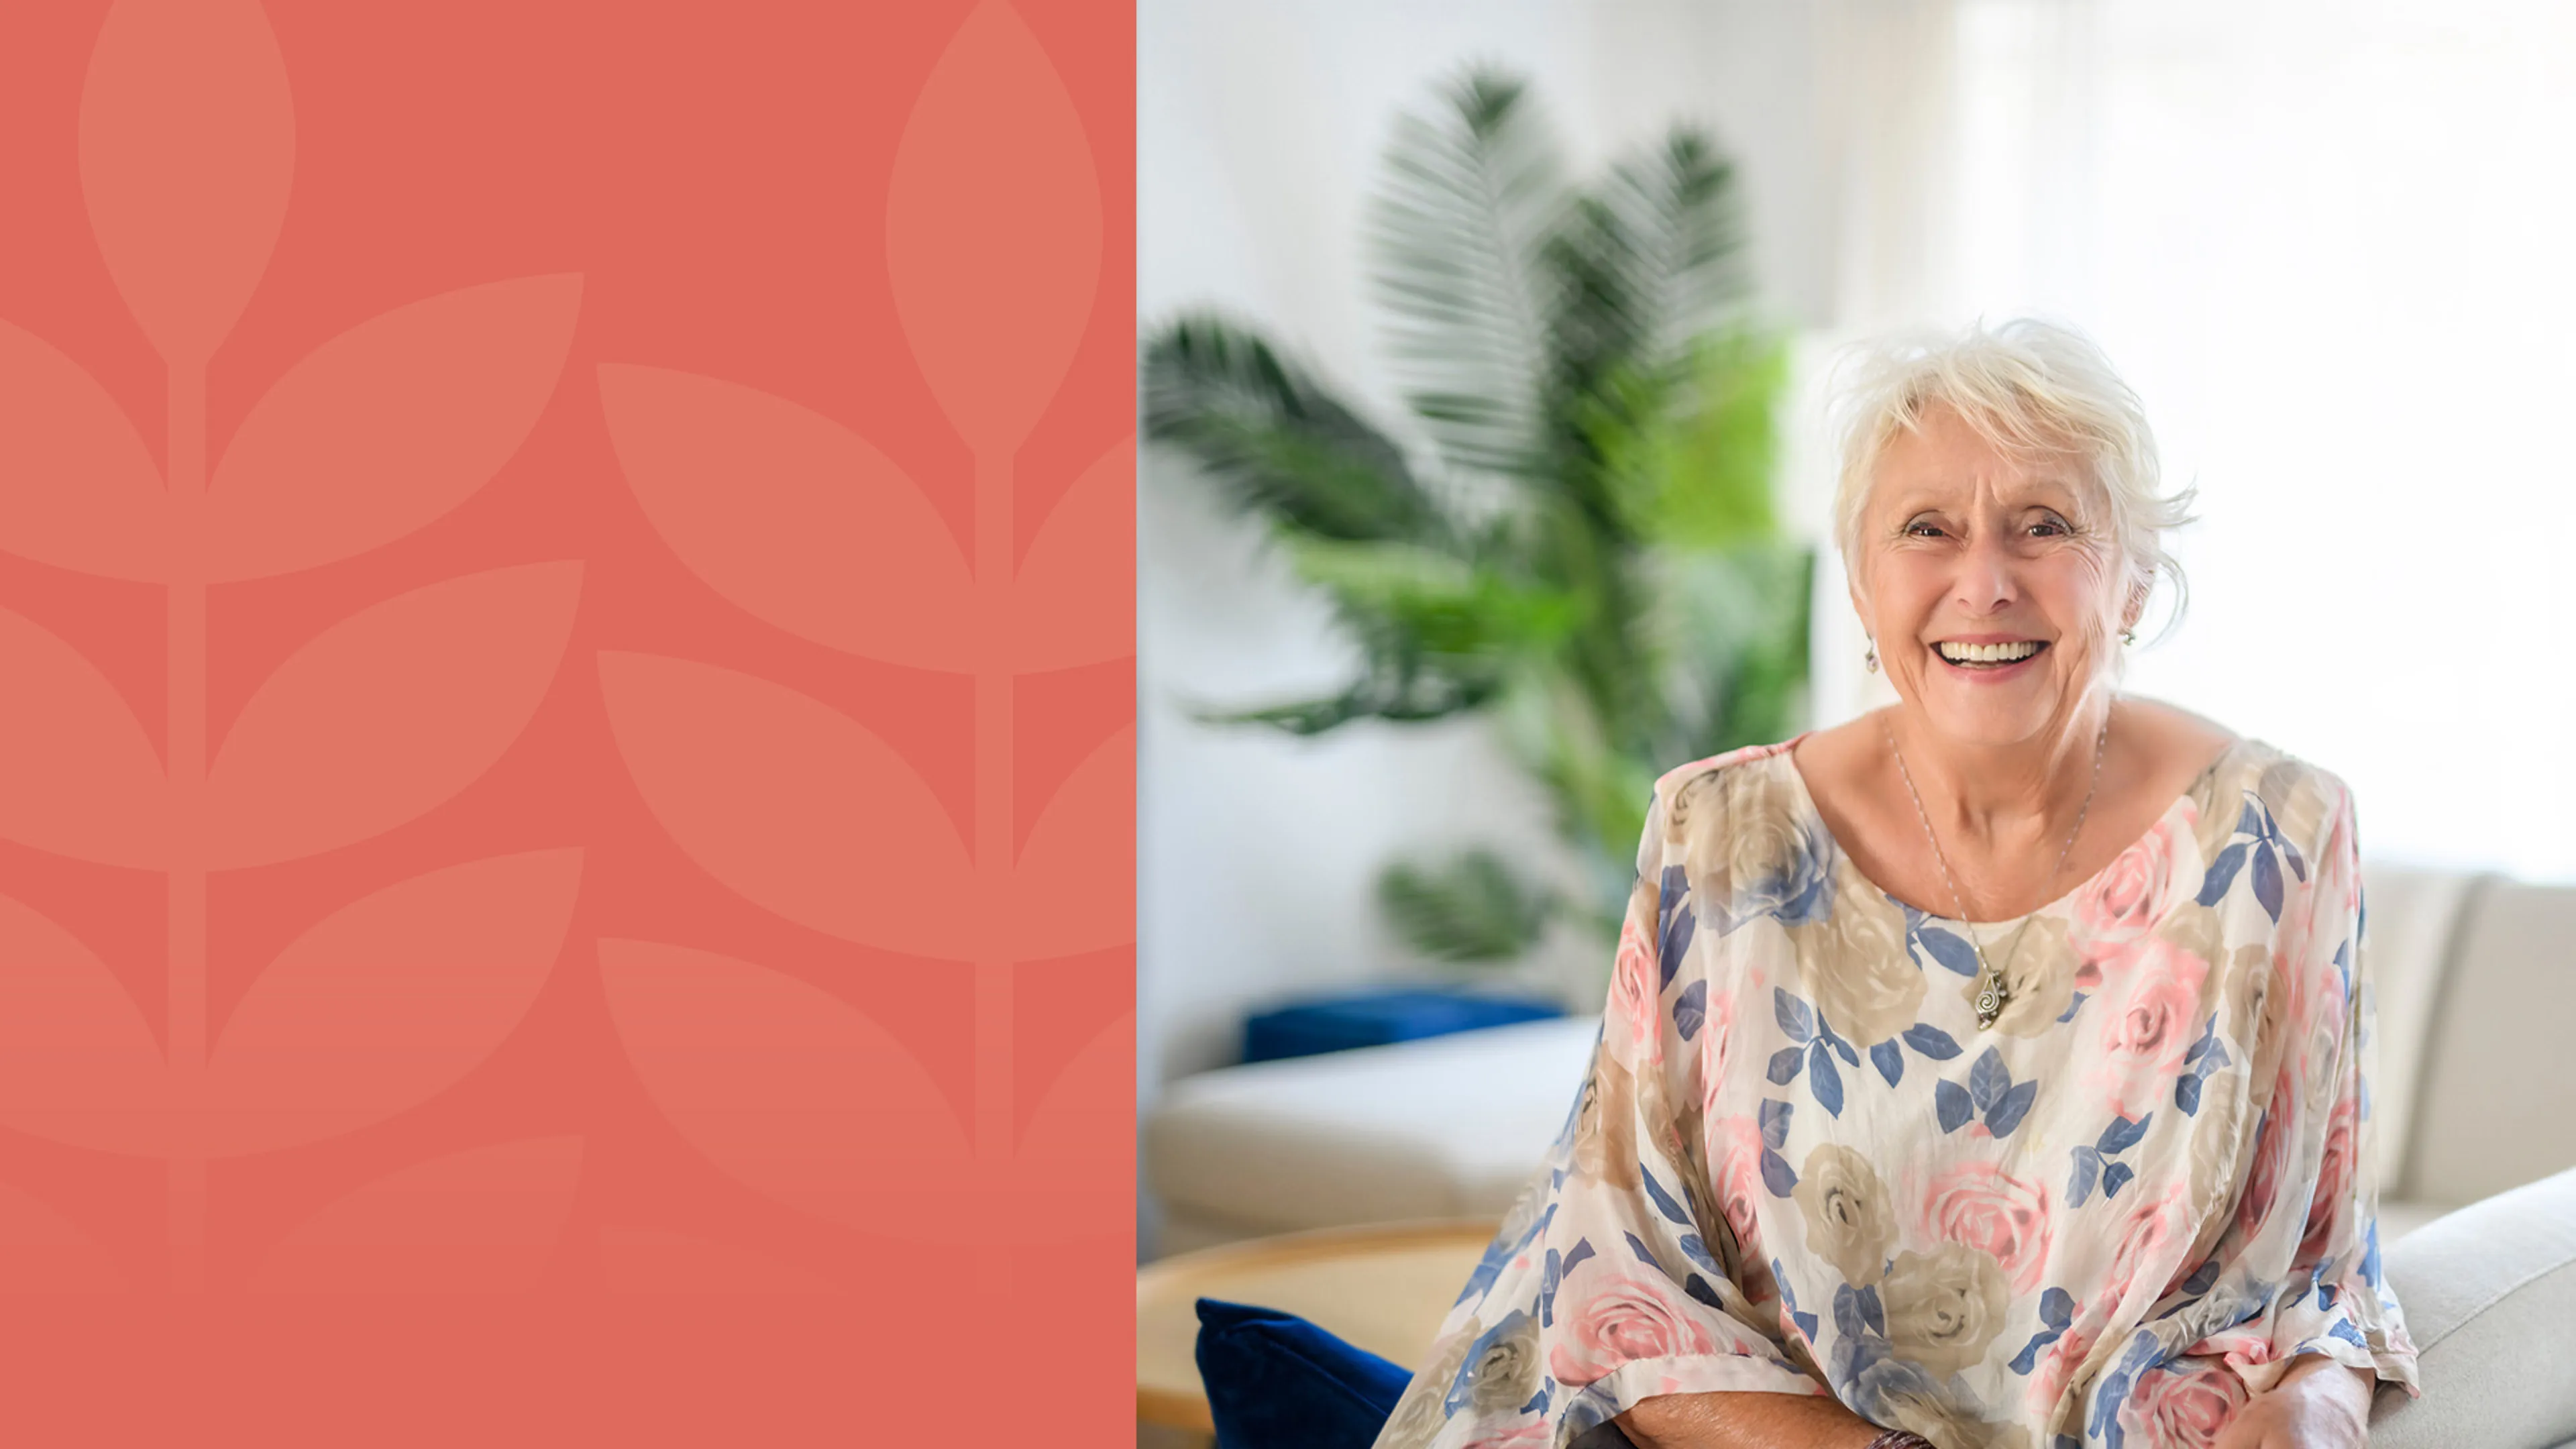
{"x": 1869, "y": 661}
{"x": 2128, "y": 636}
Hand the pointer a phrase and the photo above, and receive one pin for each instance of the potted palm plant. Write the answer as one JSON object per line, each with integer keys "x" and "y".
{"x": 1576, "y": 536}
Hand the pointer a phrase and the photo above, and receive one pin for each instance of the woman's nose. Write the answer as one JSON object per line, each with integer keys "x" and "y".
{"x": 1986, "y": 573}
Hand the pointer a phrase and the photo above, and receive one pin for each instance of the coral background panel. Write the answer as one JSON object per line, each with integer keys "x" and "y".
{"x": 566, "y": 722}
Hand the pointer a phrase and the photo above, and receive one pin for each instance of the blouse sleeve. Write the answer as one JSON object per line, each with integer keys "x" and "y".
{"x": 2306, "y": 1233}
{"x": 1601, "y": 1289}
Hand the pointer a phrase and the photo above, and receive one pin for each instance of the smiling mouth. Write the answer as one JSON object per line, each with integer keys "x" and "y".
{"x": 1988, "y": 656}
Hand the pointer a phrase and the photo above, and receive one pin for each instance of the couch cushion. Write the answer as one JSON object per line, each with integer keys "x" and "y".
{"x": 1449, "y": 1127}
{"x": 2495, "y": 1103}
{"x": 2490, "y": 1300}
{"x": 2414, "y": 917}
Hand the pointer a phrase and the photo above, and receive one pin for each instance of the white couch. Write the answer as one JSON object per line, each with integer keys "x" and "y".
{"x": 2476, "y": 1094}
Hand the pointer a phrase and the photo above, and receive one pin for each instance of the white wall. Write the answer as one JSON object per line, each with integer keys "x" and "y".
{"x": 1259, "y": 125}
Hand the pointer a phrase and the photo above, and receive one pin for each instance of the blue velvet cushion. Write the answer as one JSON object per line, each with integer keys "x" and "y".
{"x": 1275, "y": 1381}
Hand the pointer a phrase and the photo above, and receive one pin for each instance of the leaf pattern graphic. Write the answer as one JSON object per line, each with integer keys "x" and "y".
{"x": 1076, "y": 1163}
{"x": 78, "y": 1063}
{"x": 388, "y": 713}
{"x": 993, "y": 229}
{"x": 792, "y": 1092}
{"x": 77, "y": 775}
{"x": 658, "y": 1260}
{"x": 187, "y": 148}
{"x": 791, "y": 804}
{"x": 388, "y": 1001}
{"x": 387, "y": 426}
{"x": 41, "y": 1252}
{"x": 483, "y": 1221}
{"x": 1068, "y": 894}
{"x": 791, "y": 516}
{"x": 78, "y": 489}
{"x": 1061, "y": 614}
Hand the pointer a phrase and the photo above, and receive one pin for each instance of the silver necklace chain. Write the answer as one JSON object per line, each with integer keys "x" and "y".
{"x": 1992, "y": 992}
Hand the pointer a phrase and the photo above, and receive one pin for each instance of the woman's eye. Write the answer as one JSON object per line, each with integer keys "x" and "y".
{"x": 2048, "y": 527}
{"x": 1923, "y": 528}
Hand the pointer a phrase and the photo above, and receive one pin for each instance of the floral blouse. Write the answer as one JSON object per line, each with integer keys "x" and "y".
{"x": 1799, "y": 1166}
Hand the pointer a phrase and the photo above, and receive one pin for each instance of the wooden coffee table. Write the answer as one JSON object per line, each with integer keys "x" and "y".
{"x": 1384, "y": 1288}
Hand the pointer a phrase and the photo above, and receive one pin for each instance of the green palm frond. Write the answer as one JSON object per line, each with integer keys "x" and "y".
{"x": 1458, "y": 238}
{"x": 1281, "y": 445}
{"x": 1471, "y": 909}
{"x": 1651, "y": 259}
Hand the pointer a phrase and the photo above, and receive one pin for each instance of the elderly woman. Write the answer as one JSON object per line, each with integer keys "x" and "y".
{"x": 1989, "y": 1072}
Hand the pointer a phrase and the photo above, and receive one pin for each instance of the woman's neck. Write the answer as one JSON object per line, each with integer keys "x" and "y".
{"x": 2003, "y": 796}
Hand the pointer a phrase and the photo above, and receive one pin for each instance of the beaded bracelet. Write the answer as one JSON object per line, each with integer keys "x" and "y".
{"x": 1900, "y": 1439}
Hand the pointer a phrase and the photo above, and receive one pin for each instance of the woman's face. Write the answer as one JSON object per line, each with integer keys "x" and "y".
{"x": 1966, "y": 551}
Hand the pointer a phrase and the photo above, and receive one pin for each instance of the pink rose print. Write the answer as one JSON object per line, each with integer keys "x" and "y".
{"x": 2152, "y": 1245}
{"x": 2242, "y": 1348}
{"x": 2129, "y": 897}
{"x": 1735, "y": 1159}
{"x": 1621, "y": 1321}
{"x": 2057, "y": 1365}
{"x": 2003, "y": 1217}
{"x": 1638, "y": 1007}
{"x": 2334, "y": 1185}
{"x": 2264, "y": 1183}
{"x": 2183, "y": 1406}
{"x": 2152, "y": 1016}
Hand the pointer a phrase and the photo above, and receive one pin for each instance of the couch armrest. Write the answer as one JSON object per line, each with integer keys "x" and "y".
{"x": 2489, "y": 1293}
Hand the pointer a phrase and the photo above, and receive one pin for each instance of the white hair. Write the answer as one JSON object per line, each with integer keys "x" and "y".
{"x": 2028, "y": 388}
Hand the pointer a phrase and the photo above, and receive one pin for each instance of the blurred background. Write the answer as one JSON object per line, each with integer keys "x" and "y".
{"x": 2324, "y": 242}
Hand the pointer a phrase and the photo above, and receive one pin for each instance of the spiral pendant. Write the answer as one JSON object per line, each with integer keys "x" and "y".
{"x": 1990, "y": 1003}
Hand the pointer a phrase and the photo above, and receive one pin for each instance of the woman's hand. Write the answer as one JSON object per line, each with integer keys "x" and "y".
{"x": 2318, "y": 1404}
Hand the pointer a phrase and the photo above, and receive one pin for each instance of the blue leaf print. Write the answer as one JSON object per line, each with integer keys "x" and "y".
{"x": 1988, "y": 1079}
{"x": 2079, "y": 1185}
{"x": 1950, "y": 1102}
{"x": 1823, "y": 1079}
{"x": 1644, "y": 1255}
{"x": 2123, "y": 1134}
{"x": 2370, "y": 1253}
{"x": 2252, "y": 818}
{"x": 1697, "y": 1252}
{"x": 1794, "y": 1015}
{"x": 2187, "y": 1094}
{"x": 1550, "y": 1279}
{"x": 2201, "y": 1278}
{"x": 1675, "y": 944}
{"x": 1948, "y": 950}
{"x": 1825, "y": 1033}
{"x": 1776, "y": 1174}
{"x": 2222, "y": 874}
{"x": 1847, "y": 1311}
{"x": 2116, "y": 1178}
{"x": 1784, "y": 1065}
{"x": 1870, "y": 1311}
{"x": 1806, "y": 1323}
{"x": 1889, "y": 1061}
{"x": 2298, "y": 867}
{"x": 2325, "y": 1295}
{"x": 1931, "y": 1041}
{"x": 1538, "y": 1404}
{"x": 2057, "y": 1308}
{"x": 1663, "y": 1200}
{"x": 1774, "y": 1119}
{"x": 2345, "y": 1331}
{"x": 2028, "y": 1359}
{"x": 2267, "y": 881}
{"x": 2007, "y": 1111}
{"x": 2069, "y": 1013}
{"x": 1698, "y": 1288}
{"x": 1690, "y": 1010}
{"x": 2208, "y": 1034}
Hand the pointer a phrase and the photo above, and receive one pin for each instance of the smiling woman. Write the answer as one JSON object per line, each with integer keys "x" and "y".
{"x": 1991, "y": 1067}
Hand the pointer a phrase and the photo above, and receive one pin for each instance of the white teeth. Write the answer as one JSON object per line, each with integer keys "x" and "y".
{"x": 1987, "y": 653}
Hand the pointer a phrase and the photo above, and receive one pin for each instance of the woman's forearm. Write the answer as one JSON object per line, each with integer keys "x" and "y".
{"x": 1749, "y": 1420}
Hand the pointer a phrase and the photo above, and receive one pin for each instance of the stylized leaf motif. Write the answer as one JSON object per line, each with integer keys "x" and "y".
{"x": 1076, "y": 1166}
{"x": 792, "y": 1092}
{"x": 792, "y": 804}
{"x": 483, "y": 1221}
{"x": 387, "y": 426}
{"x": 389, "y": 1001}
{"x": 657, "y": 1260}
{"x": 78, "y": 1063}
{"x": 1073, "y": 890}
{"x": 187, "y": 148}
{"x": 388, "y": 713}
{"x": 77, "y": 775}
{"x": 792, "y": 516}
{"x": 993, "y": 229}
{"x": 78, "y": 489}
{"x": 1061, "y": 613}
{"x": 41, "y": 1252}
